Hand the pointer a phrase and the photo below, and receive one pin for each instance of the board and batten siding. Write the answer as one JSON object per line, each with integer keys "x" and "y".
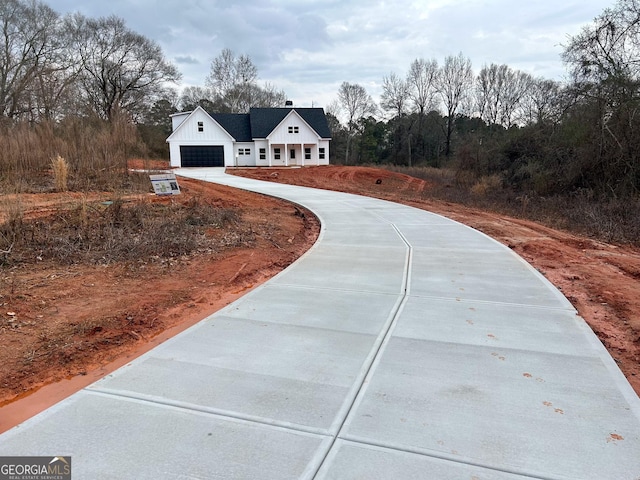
{"x": 293, "y": 133}
{"x": 188, "y": 133}
{"x": 281, "y": 134}
{"x": 261, "y": 144}
{"x": 244, "y": 154}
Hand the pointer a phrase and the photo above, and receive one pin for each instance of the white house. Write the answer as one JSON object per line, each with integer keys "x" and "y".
{"x": 264, "y": 137}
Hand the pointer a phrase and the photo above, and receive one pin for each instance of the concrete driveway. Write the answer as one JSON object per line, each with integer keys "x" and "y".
{"x": 402, "y": 345}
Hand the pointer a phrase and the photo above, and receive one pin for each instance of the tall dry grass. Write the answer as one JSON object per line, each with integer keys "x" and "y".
{"x": 95, "y": 152}
{"x": 60, "y": 169}
{"x": 614, "y": 220}
{"x": 11, "y": 226}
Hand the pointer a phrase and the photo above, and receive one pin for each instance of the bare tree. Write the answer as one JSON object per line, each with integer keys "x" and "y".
{"x": 395, "y": 95}
{"x": 422, "y": 80}
{"x": 234, "y": 83}
{"x": 501, "y": 95}
{"x": 29, "y": 50}
{"x": 605, "y": 62}
{"x": 543, "y": 101}
{"x": 333, "y": 108}
{"x": 268, "y": 96}
{"x": 55, "y": 91}
{"x": 232, "y": 80}
{"x": 120, "y": 68}
{"x": 610, "y": 47}
{"x": 517, "y": 86}
{"x": 356, "y": 103}
{"x": 490, "y": 92}
{"x": 454, "y": 83}
{"x": 193, "y": 96}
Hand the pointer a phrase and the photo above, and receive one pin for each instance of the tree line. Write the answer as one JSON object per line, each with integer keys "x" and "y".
{"x": 538, "y": 135}
{"x": 66, "y": 78}
{"x": 52, "y": 66}
{"x": 422, "y": 115}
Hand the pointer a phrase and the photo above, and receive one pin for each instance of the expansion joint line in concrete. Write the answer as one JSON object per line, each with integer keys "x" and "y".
{"x": 214, "y": 412}
{"x": 376, "y": 352}
{"x": 369, "y": 369}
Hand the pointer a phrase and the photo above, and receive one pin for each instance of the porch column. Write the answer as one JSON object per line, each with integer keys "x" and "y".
{"x": 286, "y": 154}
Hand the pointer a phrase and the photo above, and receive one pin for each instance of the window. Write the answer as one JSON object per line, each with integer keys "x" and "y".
{"x": 263, "y": 154}
{"x": 294, "y": 129}
{"x": 276, "y": 153}
{"x": 307, "y": 154}
{"x": 244, "y": 151}
{"x": 293, "y": 154}
{"x": 321, "y": 153}
{"x": 201, "y": 126}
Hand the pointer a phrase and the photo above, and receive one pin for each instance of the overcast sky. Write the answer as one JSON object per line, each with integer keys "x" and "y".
{"x": 309, "y": 47}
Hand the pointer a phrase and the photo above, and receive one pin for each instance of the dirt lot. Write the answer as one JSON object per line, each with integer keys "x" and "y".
{"x": 63, "y": 327}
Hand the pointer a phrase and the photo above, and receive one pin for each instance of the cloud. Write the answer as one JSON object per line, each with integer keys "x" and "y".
{"x": 189, "y": 60}
{"x": 309, "y": 47}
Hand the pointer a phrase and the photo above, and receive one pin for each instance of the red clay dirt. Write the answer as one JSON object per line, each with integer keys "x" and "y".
{"x": 63, "y": 327}
{"x": 115, "y": 313}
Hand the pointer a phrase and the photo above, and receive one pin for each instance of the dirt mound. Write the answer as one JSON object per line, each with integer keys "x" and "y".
{"x": 361, "y": 180}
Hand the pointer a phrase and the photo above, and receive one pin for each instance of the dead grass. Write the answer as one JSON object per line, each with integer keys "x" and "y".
{"x": 122, "y": 229}
{"x": 12, "y": 229}
{"x": 486, "y": 185}
{"x": 609, "y": 220}
{"x": 88, "y": 154}
{"x": 60, "y": 169}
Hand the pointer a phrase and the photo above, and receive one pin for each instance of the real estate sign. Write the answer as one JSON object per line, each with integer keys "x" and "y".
{"x": 165, "y": 184}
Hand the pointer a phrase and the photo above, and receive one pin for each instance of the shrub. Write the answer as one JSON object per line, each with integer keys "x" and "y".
{"x": 102, "y": 233}
{"x": 487, "y": 184}
{"x": 60, "y": 169}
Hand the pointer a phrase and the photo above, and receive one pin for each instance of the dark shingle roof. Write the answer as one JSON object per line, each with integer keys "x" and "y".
{"x": 260, "y": 122}
{"x": 237, "y": 124}
{"x": 264, "y": 120}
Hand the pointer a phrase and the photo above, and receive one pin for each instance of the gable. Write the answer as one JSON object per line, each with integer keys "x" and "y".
{"x": 293, "y": 129}
{"x": 265, "y": 120}
{"x": 200, "y": 126}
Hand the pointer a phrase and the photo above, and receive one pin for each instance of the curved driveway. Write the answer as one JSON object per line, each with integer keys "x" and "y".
{"x": 402, "y": 345}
